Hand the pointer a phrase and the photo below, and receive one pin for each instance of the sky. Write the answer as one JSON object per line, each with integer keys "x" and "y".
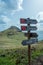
{"x": 12, "y": 10}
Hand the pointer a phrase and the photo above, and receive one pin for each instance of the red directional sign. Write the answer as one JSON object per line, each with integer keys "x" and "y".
{"x": 23, "y": 28}
{"x": 28, "y": 21}
{"x": 23, "y": 21}
{"x": 28, "y": 28}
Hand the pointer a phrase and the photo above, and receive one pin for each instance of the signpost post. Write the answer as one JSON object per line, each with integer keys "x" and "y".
{"x": 29, "y": 48}
{"x": 30, "y": 35}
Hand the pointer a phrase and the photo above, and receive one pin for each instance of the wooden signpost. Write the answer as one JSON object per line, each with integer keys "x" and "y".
{"x": 29, "y": 34}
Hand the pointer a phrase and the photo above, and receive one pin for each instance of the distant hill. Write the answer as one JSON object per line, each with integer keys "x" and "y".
{"x": 11, "y": 30}
{"x": 15, "y": 28}
{"x": 12, "y": 38}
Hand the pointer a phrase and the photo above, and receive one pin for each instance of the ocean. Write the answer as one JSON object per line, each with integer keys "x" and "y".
{"x": 40, "y": 35}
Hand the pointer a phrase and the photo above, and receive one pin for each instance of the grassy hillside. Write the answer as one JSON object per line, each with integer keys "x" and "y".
{"x": 11, "y": 38}
{"x": 12, "y": 52}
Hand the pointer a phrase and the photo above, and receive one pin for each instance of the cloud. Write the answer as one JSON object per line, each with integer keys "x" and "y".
{"x": 19, "y": 7}
{"x": 5, "y": 21}
{"x": 10, "y": 6}
{"x": 39, "y": 17}
{"x": 2, "y": 22}
{"x": 40, "y": 27}
{"x": 20, "y": 4}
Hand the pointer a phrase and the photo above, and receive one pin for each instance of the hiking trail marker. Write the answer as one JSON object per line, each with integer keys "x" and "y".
{"x": 32, "y": 37}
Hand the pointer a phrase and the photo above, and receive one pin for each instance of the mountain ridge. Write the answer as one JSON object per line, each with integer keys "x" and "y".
{"x": 10, "y": 30}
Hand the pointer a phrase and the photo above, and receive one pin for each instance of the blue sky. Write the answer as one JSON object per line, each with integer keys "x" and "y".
{"x": 12, "y": 10}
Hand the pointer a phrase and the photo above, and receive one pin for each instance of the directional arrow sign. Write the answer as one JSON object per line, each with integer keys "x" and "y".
{"x": 23, "y": 28}
{"x": 28, "y": 21}
{"x": 23, "y": 21}
{"x": 31, "y": 34}
{"x": 31, "y": 41}
{"x": 28, "y": 28}
{"x": 31, "y": 21}
{"x": 32, "y": 28}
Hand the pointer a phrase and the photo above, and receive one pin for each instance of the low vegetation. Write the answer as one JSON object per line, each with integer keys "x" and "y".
{"x": 12, "y": 52}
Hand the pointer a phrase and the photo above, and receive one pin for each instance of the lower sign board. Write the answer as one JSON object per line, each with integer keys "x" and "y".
{"x": 28, "y": 42}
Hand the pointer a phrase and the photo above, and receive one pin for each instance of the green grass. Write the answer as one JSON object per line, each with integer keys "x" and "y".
{"x": 13, "y": 41}
{"x": 12, "y": 52}
{"x": 18, "y": 56}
